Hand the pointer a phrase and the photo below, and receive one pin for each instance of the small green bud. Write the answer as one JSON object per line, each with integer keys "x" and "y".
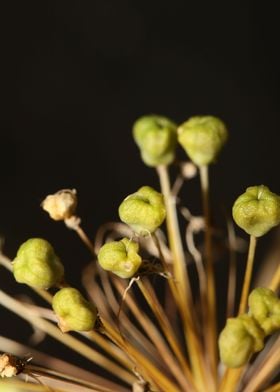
{"x": 74, "y": 312}
{"x": 144, "y": 210}
{"x": 37, "y": 265}
{"x": 156, "y": 138}
{"x": 120, "y": 257}
{"x": 202, "y": 137}
{"x": 240, "y": 338}
{"x": 265, "y": 308}
{"x": 257, "y": 210}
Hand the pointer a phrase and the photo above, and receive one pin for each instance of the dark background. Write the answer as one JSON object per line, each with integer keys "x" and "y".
{"x": 77, "y": 74}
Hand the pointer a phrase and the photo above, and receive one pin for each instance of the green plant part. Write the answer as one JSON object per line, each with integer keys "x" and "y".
{"x": 202, "y": 138}
{"x": 120, "y": 257}
{"x": 240, "y": 338}
{"x": 37, "y": 265}
{"x": 257, "y": 210}
{"x": 144, "y": 211}
{"x": 156, "y": 138}
{"x": 265, "y": 308}
{"x": 73, "y": 311}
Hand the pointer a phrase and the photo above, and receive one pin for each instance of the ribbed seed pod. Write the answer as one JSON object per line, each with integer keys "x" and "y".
{"x": 202, "y": 138}
{"x": 240, "y": 338}
{"x": 144, "y": 211}
{"x": 73, "y": 311}
{"x": 37, "y": 265}
{"x": 265, "y": 308}
{"x": 156, "y": 138}
{"x": 120, "y": 257}
{"x": 257, "y": 210}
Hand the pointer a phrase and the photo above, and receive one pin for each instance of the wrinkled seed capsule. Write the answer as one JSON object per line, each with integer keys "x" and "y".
{"x": 240, "y": 338}
{"x": 144, "y": 211}
{"x": 265, "y": 308}
{"x": 120, "y": 257}
{"x": 156, "y": 138}
{"x": 73, "y": 311}
{"x": 202, "y": 138}
{"x": 37, "y": 265}
{"x": 257, "y": 210}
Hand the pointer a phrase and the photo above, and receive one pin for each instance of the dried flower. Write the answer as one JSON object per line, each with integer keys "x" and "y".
{"x": 61, "y": 205}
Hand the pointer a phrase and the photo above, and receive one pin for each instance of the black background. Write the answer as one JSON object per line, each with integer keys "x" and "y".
{"x": 77, "y": 74}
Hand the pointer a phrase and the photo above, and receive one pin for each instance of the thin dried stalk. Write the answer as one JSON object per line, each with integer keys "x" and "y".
{"x": 10, "y": 346}
{"x": 273, "y": 388}
{"x": 270, "y": 364}
{"x": 76, "y": 345}
{"x": 232, "y": 270}
{"x": 211, "y": 327}
{"x": 248, "y": 275}
{"x": 146, "y": 367}
{"x": 182, "y": 285}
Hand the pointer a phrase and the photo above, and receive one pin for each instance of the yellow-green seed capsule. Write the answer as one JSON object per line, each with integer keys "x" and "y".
{"x": 156, "y": 138}
{"x": 240, "y": 338}
{"x": 202, "y": 137}
{"x": 265, "y": 308}
{"x": 37, "y": 265}
{"x": 73, "y": 311}
{"x": 144, "y": 211}
{"x": 257, "y": 210}
{"x": 120, "y": 257}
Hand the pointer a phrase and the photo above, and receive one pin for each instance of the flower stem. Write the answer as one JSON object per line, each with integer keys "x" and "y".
{"x": 248, "y": 274}
{"x": 275, "y": 282}
{"x": 182, "y": 283}
{"x": 211, "y": 327}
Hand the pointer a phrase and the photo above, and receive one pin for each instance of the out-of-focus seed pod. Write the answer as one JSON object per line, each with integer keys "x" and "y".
{"x": 240, "y": 338}
{"x": 144, "y": 211}
{"x": 37, "y": 265}
{"x": 257, "y": 210}
{"x": 73, "y": 311}
{"x": 265, "y": 308}
{"x": 61, "y": 205}
{"x": 120, "y": 257}
{"x": 202, "y": 137}
{"x": 156, "y": 138}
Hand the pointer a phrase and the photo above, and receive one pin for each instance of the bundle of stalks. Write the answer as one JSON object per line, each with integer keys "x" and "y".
{"x": 146, "y": 322}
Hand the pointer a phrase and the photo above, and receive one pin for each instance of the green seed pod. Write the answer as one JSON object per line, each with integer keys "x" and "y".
{"x": 120, "y": 257}
{"x": 265, "y": 308}
{"x": 73, "y": 311}
{"x": 240, "y": 338}
{"x": 144, "y": 211}
{"x": 37, "y": 265}
{"x": 257, "y": 210}
{"x": 156, "y": 138}
{"x": 202, "y": 137}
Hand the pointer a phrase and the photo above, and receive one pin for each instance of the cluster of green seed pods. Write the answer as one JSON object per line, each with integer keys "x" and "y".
{"x": 37, "y": 265}
{"x": 244, "y": 335}
{"x": 202, "y": 138}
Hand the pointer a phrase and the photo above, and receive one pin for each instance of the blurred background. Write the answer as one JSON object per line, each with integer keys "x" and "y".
{"x": 77, "y": 74}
